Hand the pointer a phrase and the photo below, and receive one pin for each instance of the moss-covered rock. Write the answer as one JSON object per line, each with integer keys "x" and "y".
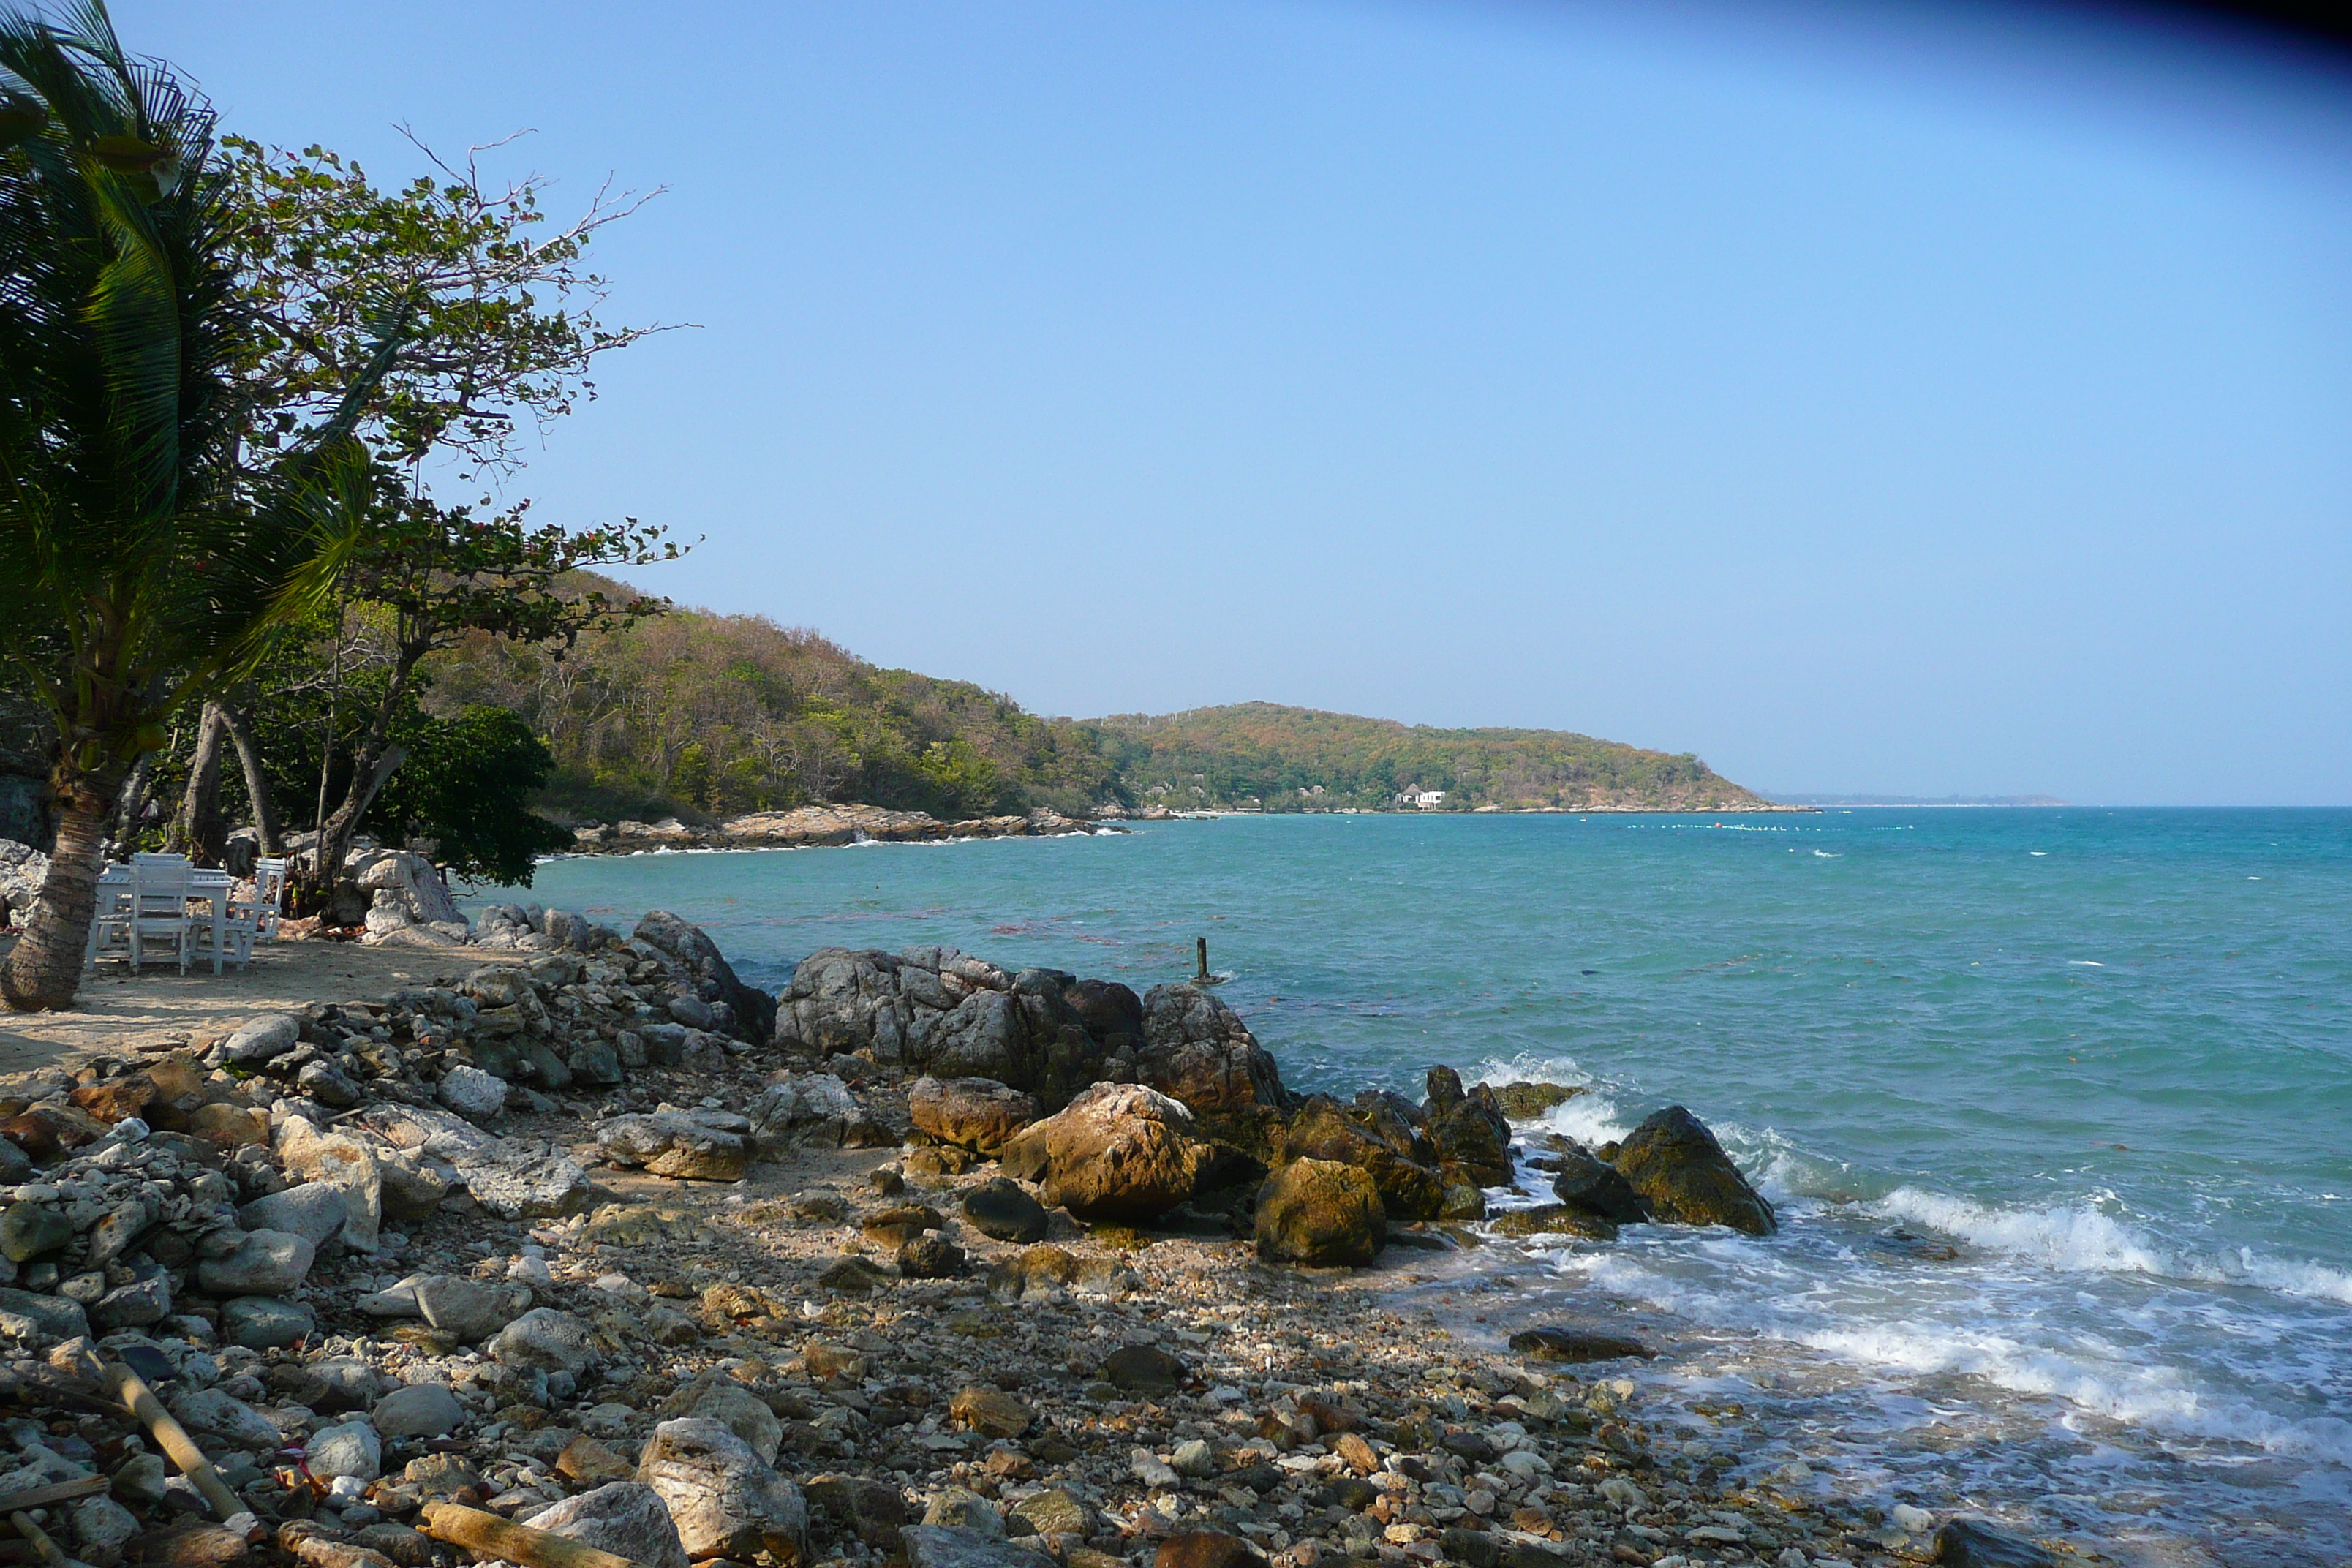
{"x": 1320, "y": 1213}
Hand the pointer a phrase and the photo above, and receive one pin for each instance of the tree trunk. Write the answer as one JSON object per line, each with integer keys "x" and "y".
{"x": 132, "y": 807}
{"x": 45, "y": 970}
{"x": 335, "y": 839}
{"x": 268, "y": 826}
{"x": 196, "y": 827}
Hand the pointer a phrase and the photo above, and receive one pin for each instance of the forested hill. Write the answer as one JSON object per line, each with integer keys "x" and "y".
{"x": 1289, "y": 759}
{"x": 698, "y": 714}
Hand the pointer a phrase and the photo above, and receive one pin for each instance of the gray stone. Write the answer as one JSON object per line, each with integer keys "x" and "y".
{"x": 717, "y": 1397}
{"x": 143, "y": 1479}
{"x": 271, "y": 1035}
{"x": 533, "y": 1187}
{"x": 471, "y": 1091}
{"x": 208, "y": 1412}
{"x": 627, "y": 1519}
{"x": 51, "y": 1317}
{"x": 335, "y": 1383}
{"x": 266, "y": 1263}
{"x": 473, "y": 1309}
{"x": 266, "y": 1322}
{"x": 960, "y": 1509}
{"x": 941, "y": 1546}
{"x": 596, "y": 1064}
{"x": 327, "y": 1085}
{"x": 1972, "y": 1543}
{"x": 1002, "y": 1210}
{"x": 350, "y": 1450}
{"x": 147, "y": 1300}
{"x": 419, "y": 1410}
{"x": 29, "y": 1229}
{"x": 103, "y": 1527}
{"x": 725, "y": 1501}
{"x": 676, "y": 1144}
{"x": 119, "y": 1231}
{"x": 315, "y": 1211}
{"x": 1053, "y": 1511}
{"x": 544, "y": 1340}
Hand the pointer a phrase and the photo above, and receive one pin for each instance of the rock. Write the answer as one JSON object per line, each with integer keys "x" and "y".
{"x": 1145, "y": 1369}
{"x": 991, "y": 1412}
{"x": 1353, "y": 1447}
{"x": 143, "y": 1479}
{"x": 350, "y": 1450}
{"x": 230, "y": 1126}
{"x": 676, "y": 1143}
{"x": 103, "y": 1527}
{"x": 194, "y": 1546}
{"x": 16, "y": 1165}
{"x": 1399, "y": 1157}
{"x": 591, "y": 1463}
{"x": 29, "y": 1229}
{"x": 1675, "y": 1164}
{"x": 266, "y": 1263}
{"x": 47, "y": 1318}
{"x": 1469, "y": 1129}
{"x": 725, "y": 1501}
{"x": 1053, "y": 1512}
{"x": 930, "y": 1256}
{"x": 315, "y": 1211}
{"x": 1207, "y": 1549}
{"x": 266, "y": 1322}
{"x": 976, "y": 1113}
{"x": 853, "y": 1276}
{"x": 146, "y": 1299}
{"x": 1194, "y": 1460}
{"x": 1972, "y": 1543}
{"x": 419, "y": 1410}
{"x": 690, "y": 947}
{"x": 1002, "y": 1210}
{"x": 714, "y": 1397}
{"x": 1118, "y": 1152}
{"x": 1575, "y": 1345}
{"x": 1197, "y": 1050}
{"x": 471, "y": 1092}
{"x": 1597, "y": 1188}
{"x": 335, "y": 1383}
{"x": 260, "y": 1039}
{"x": 900, "y": 1224}
{"x": 1554, "y": 1219}
{"x": 527, "y": 1186}
{"x": 472, "y": 1309}
{"x": 209, "y": 1413}
{"x": 1321, "y": 1214}
{"x": 596, "y": 1064}
{"x": 546, "y": 1339}
{"x": 958, "y": 1509}
{"x": 942, "y": 1546}
{"x": 626, "y": 1517}
{"x": 1527, "y": 1101}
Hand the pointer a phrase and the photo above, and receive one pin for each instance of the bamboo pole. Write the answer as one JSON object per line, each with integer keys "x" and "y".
{"x": 53, "y": 1494}
{"x": 47, "y": 1550}
{"x": 494, "y": 1537}
{"x": 141, "y": 1401}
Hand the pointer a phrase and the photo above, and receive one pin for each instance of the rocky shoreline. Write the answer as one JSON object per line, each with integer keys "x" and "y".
{"x": 921, "y": 1261}
{"x": 815, "y": 827}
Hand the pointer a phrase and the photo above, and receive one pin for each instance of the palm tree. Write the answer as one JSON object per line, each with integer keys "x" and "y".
{"x": 140, "y": 565}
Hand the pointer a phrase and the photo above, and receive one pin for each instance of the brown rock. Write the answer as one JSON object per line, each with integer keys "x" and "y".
{"x": 591, "y": 1464}
{"x": 1677, "y": 1165}
{"x": 116, "y": 1098}
{"x": 992, "y": 1411}
{"x": 930, "y": 1256}
{"x": 977, "y": 1113}
{"x": 1321, "y": 1214}
{"x": 229, "y": 1125}
{"x": 1402, "y": 1162}
{"x": 45, "y": 1132}
{"x": 826, "y": 1362}
{"x": 1469, "y": 1128}
{"x": 1118, "y": 1152}
{"x": 1554, "y": 1219}
{"x": 190, "y": 1546}
{"x": 1197, "y": 1050}
{"x": 1358, "y": 1454}
{"x": 1207, "y": 1549}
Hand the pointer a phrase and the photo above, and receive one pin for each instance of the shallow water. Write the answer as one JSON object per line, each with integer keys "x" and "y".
{"x": 2108, "y": 1054}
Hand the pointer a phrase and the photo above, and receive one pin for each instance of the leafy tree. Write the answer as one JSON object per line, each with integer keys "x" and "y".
{"x": 468, "y": 787}
{"x": 141, "y": 563}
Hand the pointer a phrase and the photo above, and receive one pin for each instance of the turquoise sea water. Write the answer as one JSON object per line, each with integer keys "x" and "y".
{"x": 2107, "y": 1054}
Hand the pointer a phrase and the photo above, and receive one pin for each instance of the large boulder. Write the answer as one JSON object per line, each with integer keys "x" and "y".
{"x": 1675, "y": 1164}
{"x": 688, "y": 1145}
{"x": 689, "y": 946}
{"x": 1118, "y": 1152}
{"x": 976, "y": 1113}
{"x": 1197, "y": 1049}
{"x": 1320, "y": 1213}
{"x": 1591, "y": 1186}
{"x": 724, "y": 1499}
{"x": 1108, "y": 1009}
{"x": 627, "y": 1519}
{"x": 1469, "y": 1129}
{"x": 1402, "y": 1162}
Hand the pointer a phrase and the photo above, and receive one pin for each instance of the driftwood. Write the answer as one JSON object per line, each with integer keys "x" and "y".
{"x": 493, "y": 1537}
{"x": 53, "y": 1494}
{"x": 182, "y": 1449}
{"x": 50, "y": 1550}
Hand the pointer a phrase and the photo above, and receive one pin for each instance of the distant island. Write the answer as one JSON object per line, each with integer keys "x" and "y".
{"x": 705, "y": 718}
{"x": 1818, "y": 801}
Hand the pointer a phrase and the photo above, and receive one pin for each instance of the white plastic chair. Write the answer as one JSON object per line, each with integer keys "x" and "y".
{"x": 268, "y": 893}
{"x": 110, "y": 924}
{"x": 159, "y": 912}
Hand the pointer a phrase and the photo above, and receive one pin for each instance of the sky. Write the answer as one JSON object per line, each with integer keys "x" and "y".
{"x": 1863, "y": 397}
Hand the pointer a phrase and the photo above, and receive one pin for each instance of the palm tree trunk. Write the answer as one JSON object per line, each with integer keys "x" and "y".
{"x": 45, "y": 970}
{"x": 196, "y": 827}
{"x": 267, "y": 826}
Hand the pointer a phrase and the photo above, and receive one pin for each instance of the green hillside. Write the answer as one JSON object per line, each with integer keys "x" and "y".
{"x": 1292, "y": 759}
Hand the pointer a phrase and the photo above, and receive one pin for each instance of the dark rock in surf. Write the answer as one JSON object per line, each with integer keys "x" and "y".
{"x": 1675, "y": 1164}
{"x": 1574, "y": 1346}
{"x": 1469, "y": 1129}
{"x": 1526, "y": 1101}
{"x": 1197, "y": 1050}
{"x": 1972, "y": 1543}
{"x": 1402, "y": 1163}
{"x": 1601, "y": 1190}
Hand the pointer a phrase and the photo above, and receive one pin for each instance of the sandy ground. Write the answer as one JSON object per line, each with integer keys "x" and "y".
{"x": 119, "y": 1012}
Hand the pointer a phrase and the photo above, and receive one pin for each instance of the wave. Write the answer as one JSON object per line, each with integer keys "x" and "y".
{"x": 2083, "y": 1237}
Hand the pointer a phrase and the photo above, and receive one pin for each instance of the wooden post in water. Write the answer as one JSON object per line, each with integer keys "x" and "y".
{"x": 1201, "y": 954}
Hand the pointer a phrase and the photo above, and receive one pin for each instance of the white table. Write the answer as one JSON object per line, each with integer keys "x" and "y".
{"x": 214, "y": 887}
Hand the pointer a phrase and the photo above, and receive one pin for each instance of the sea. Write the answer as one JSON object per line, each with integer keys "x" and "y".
{"x": 2055, "y": 1105}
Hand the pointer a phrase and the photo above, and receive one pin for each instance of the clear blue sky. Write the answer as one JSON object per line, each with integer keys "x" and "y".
{"x": 1863, "y": 398}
